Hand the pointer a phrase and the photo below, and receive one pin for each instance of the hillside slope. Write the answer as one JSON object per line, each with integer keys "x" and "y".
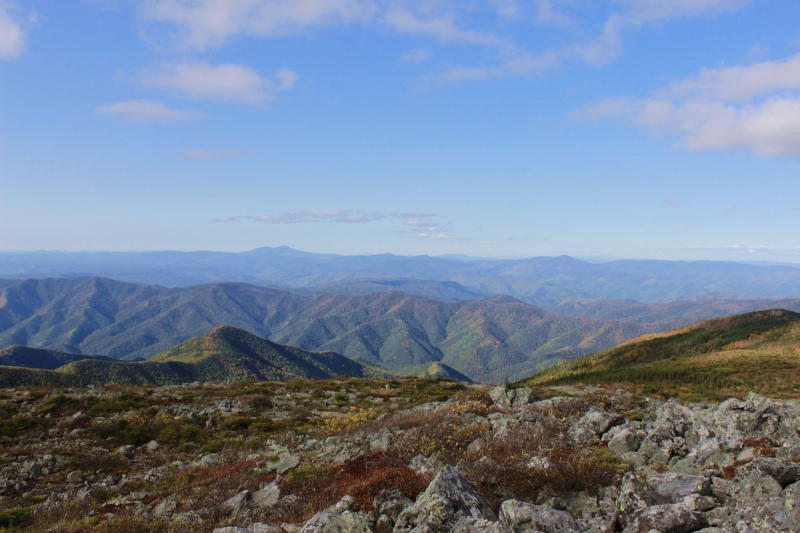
{"x": 485, "y": 339}
{"x": 223, "y": 354}
{"x": 758, "y": 352}
{"x": 24, "y": 356}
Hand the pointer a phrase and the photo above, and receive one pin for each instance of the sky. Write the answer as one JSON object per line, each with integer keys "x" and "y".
{"x": 499, "y": 128}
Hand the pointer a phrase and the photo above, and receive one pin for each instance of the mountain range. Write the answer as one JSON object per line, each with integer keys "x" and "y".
{"x": 544, "y": 281}
{"x": 486, "y": 339}
{"x": 223, "y": 354}
{"x": 730, "y": 356}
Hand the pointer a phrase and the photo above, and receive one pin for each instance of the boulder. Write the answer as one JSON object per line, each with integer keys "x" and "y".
{"x": 781, "y": 471}
{"x": 236, "y": 502}
{"x": 285, "y": 462}
{"x": 389, "y": 505}
{"x": 674, "y": 487}
{"x": 520, "y": 517}
{"x": 674, "y": 518}
{"x": 338, "y": 519}
{"x": 267, "y": 496}
{"x": 593, "y": 424}
{"x": 624, "y": 441}
{"x": 166, "y": 506}
{"x": 448, "y": 499}
{"x": 505, "y": 397}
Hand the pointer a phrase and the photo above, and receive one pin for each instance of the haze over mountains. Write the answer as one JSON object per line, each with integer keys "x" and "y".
{"x": 542, "y": 281}
{"x": 485, "y": 339}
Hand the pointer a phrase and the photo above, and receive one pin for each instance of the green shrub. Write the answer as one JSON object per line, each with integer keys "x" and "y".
{"x": 236, "y": 423}
{"x": 135, "y": 431}
{"x": 213, "y": 446}
{"x": 15, "y": 517}
{"x": 180, "y": 434}
{"x": 117, "y": 404}
{"x": 17, "y": 424}
{"x": 60, "y": 403}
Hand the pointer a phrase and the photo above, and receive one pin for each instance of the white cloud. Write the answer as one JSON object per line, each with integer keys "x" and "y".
{"x": 225, "y": 83}
{"x": 509, "y": 9}
{"x": 417, "y": 224}
{"x": 12, "y": 30}
{"x": 642, "y": 11}
{"x": 311, "y": 215}
{"x": 754, "y": 107}
{"x": 603, "y": 49}
{"x": 547, "y": 14}
{"x": 144, "y": 111}
{"x": 202, "y": 24}
{"x": 637, "y": 13}
{"x": 425, "y": 227}
{"x": 741, "y": 83}
{"x": 440, "y": 26}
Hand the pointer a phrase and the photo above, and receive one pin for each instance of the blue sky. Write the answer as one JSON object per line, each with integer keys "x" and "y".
{"x": 506, "y": 128}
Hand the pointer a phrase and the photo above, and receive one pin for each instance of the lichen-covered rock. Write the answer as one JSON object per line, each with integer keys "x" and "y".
{"x": 338, "y": 519}
{"x": 236, "y": 502}
{"x": 759, "y": 505}
{"x": 593, "y": 424}
{"x": 285, "y": 461}
{"x": 267, "y": 496}
{"x": 505, "y": 397}
{"x": 166, "y": 506}
{"x": 521, "y": 517}
{"x": 259, "y": 527}
{"x": 783, "y": 472}
{"x": 476, "y": 525}
{"x": 389, "y": 505}
{"x": 624, "y": 441}
{"x": 448, "y": 498}
{"x": 670, "y": 518}
{"x": 426, "y": 465}
{"x": 673, "y": 487}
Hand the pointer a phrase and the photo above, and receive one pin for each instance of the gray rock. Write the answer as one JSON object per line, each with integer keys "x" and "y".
{"x": 267, "y": 496}
{"x": 673, "y": 487}
{"x": 166, "y": 506}
{"x": 236, "y": 502}
{"x": 760, "y": 506}
{"x": 286, "y": 461}
{"x": 593, "y": 424}
{"x": 382, "y": 441}
{"x": 338, "y": 519}
{"x": 426, "y": 465}
{"x": 476, "y": 525}
{"x": 448, "y": 498}
{"x": 389, "y": 505}
{"x": 675, "y": 518}
{"x": 505, "y": 397}
{"x": 252, "y": 528}
{"x": 207, "y": 460}
{"x": 781, "y": 471}
{"x": 520, "y": 517}
{"x": 624, "y": 441}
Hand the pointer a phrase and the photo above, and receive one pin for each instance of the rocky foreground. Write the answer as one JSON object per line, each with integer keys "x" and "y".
{"x": 395, "y": 456}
